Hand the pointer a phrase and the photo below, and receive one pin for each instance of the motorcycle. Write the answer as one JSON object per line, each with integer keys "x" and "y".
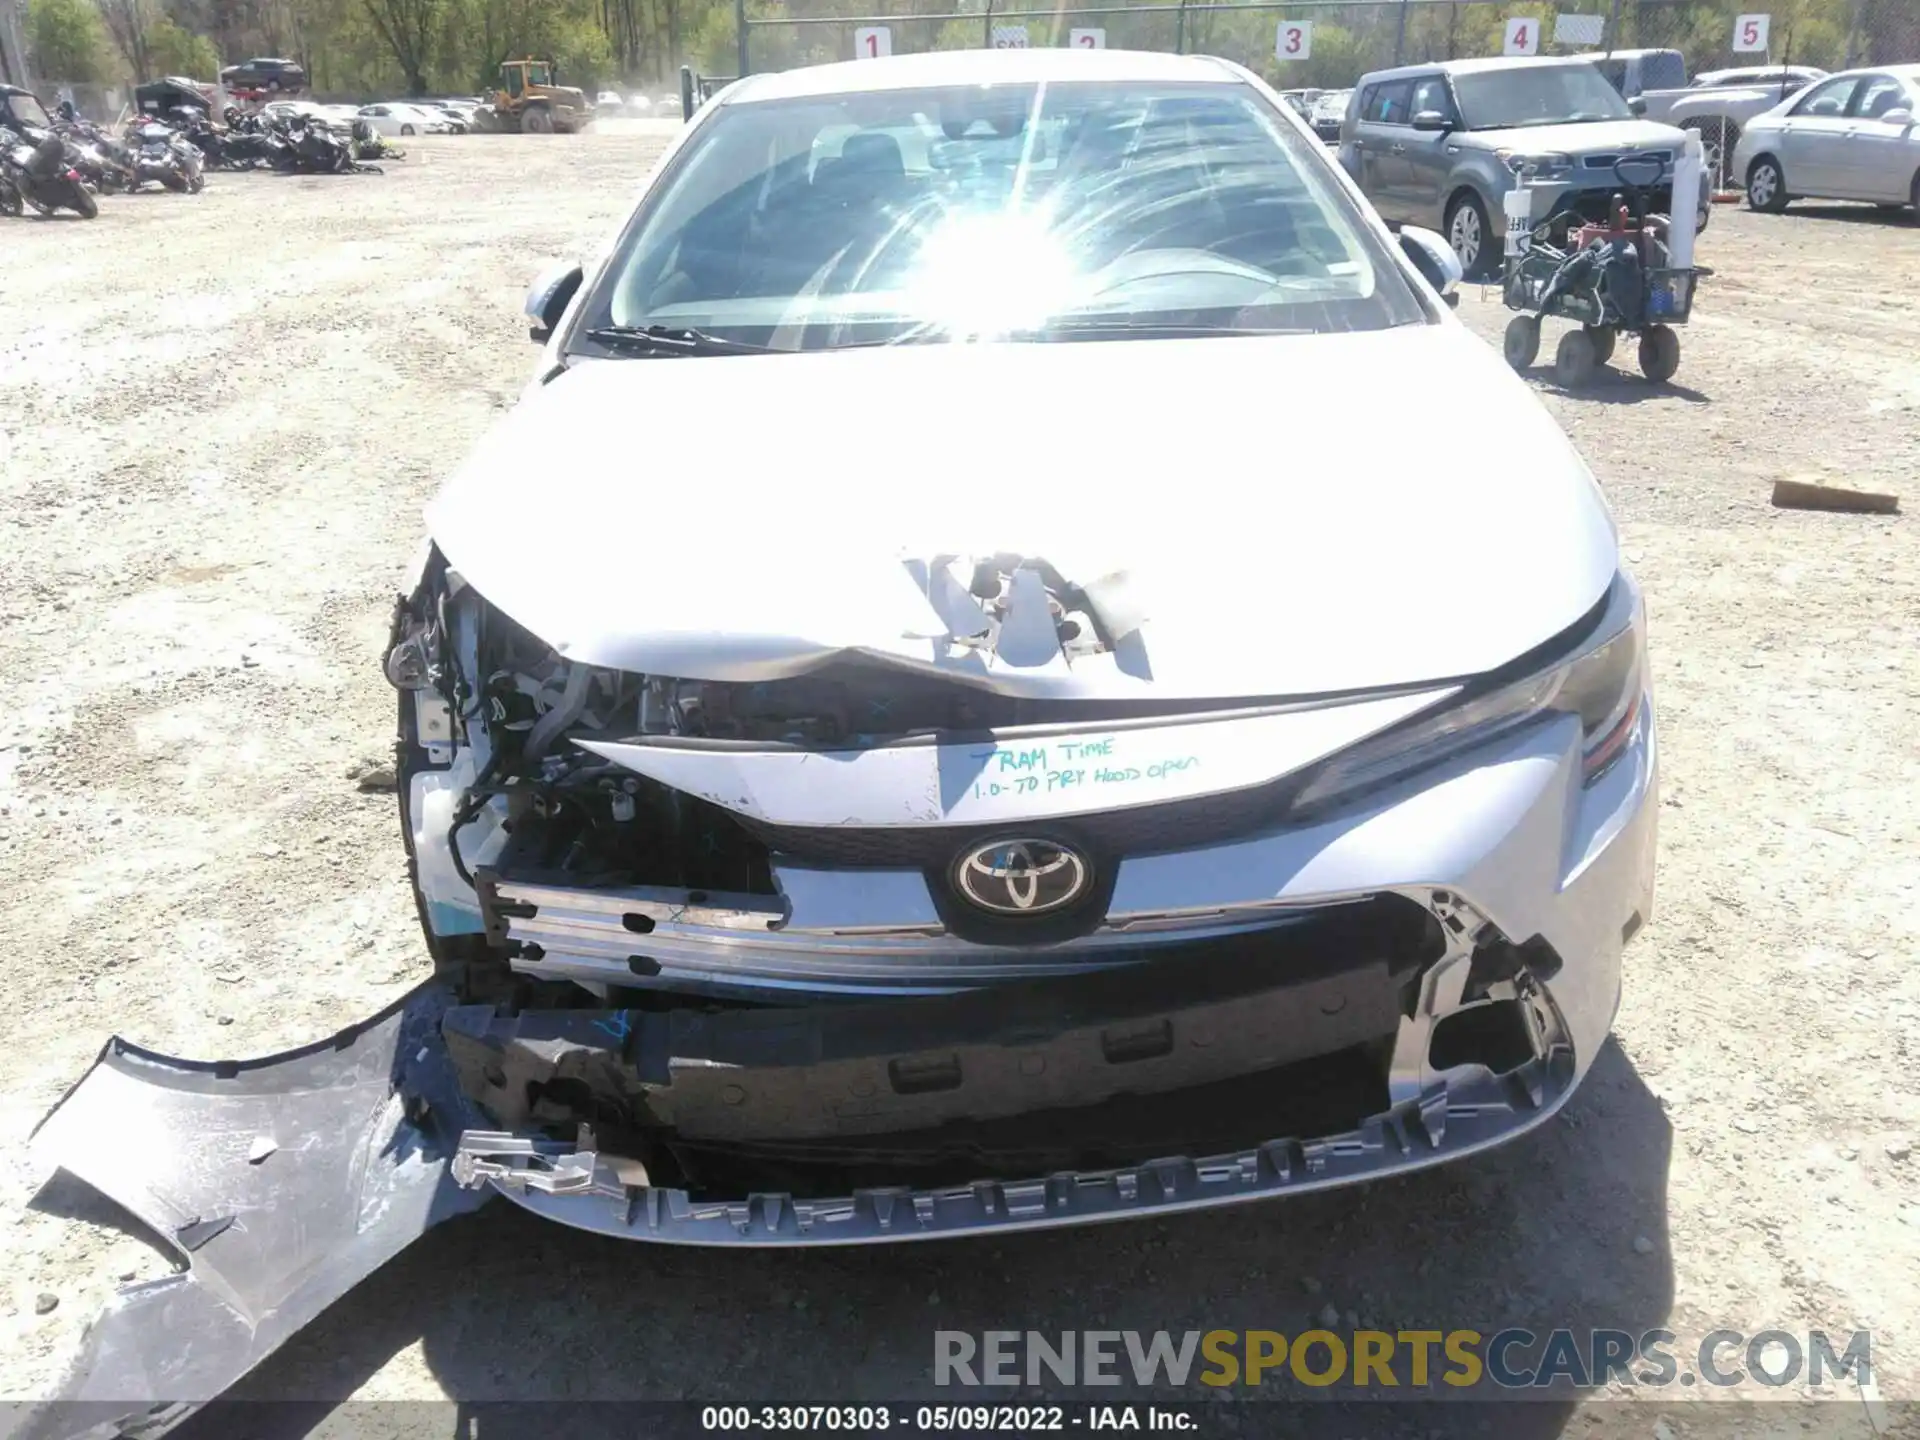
{"x": 39, "y": 175}
{"x": 317, "y": 150}
{"x": 164, "y": 156}
{"x": 103, "y": 162}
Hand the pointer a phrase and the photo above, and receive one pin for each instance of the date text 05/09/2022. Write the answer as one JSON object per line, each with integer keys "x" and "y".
{"x": 965, "y": 1419}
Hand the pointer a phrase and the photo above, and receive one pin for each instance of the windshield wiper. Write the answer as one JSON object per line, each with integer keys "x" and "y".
{"x": 667, "y": 340}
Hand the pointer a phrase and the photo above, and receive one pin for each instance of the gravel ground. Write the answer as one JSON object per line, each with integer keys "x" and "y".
{"x": 222, "y": 417}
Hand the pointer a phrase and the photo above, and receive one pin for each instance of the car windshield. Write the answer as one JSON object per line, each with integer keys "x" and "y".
{"x": 27, "y": 110}
{"x": 1513, "y": 98}
{"x": 1007, "y": 211}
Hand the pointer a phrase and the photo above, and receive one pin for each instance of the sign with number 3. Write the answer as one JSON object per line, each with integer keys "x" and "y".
{"x": 1091, "y": 38}
{"x": 1293, "y": 40}
{"x": 1750, "y": 33}
{"x": 871, "y": 42}
{"x": 1523, "y": 36}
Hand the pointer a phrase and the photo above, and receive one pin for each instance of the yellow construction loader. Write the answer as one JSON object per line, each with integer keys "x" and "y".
{"x": 529, "y": 99}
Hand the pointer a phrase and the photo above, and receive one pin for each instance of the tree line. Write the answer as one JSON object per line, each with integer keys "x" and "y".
{"x": 362, "y": 48}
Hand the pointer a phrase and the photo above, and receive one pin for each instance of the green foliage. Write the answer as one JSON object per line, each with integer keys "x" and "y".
{"x": 174, "y": 51}
{"x": 66, "y": 41}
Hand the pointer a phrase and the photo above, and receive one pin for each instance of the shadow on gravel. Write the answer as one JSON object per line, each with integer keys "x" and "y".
{"x": 1892, "y": 216}
{"x": 1564, "y": 1227}
{"x": 1620, "y": 384}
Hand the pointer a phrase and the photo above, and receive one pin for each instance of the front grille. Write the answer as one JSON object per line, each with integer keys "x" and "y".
{"x": 1607, "y": 162}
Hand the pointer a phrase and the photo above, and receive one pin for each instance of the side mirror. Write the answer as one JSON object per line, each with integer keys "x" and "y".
{"x": 1433, "y": 257}
{"x": 1899, "y": 115}
{"x": 1431, "y": 120}
{"x": 548, "y": 297}
{"x": 1638, "y": 105}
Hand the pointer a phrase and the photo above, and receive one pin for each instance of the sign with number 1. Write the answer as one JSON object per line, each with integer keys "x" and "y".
{"x": 1523, "y": 36}
{"x": 1750, "y": 33}
{"x": 1010, "y": 37}
{"x": 1293, "y": 40}
{"x": 871, "y": 42}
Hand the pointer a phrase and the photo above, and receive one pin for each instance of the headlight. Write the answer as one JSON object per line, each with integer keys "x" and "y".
{"x": 1544, "y": 167}
{"x": 1604, "y": 685}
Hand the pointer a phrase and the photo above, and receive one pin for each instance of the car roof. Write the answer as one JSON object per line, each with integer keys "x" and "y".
{"x": 1910, "y": 71}
{"x": 1478, "y": 66}
{"x": 980, "y": 67}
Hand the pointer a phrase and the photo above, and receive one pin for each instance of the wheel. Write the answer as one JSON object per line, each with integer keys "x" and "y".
{"x": 1573, "y": 361}
{"x": 537, "y": 121}
{"x": 1718, "y": 136}
{"x": 84, "y": 203}
{"x": 196, "y": 183}
{"x": 1601, "y": 337}
{"x": 406, "y": 130}
{"x": 1659, "y": 353}
{"x": 1471, "y": 235}
{"x": 1522, "y": 344}
{"x": 10, "y": 203}
{"x": 175, "y": 182}
{"x": 1766, "y": 185}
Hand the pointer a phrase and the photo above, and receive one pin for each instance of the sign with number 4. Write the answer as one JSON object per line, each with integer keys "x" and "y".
{"x": 1293, "y": 40}
{"x": 1091, "y": 39}
{"x": 1523, "y": 36}
{"x": 871, "y": 42}
{"x": 1750, "y": 33}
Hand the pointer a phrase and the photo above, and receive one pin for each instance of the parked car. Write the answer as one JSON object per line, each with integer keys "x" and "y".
{"x": 1852, "y": 136}
{"x": 1301, "y": 101}
{"x": 609, "y": 102}
{"x": 1328, "y": 113}
{"x": 265, "y": 74}
{"x": 1440, "y": 144}
{"x": 639, "y": 104}
{"x": 1717, "y": 104}
{"x": 283, "y": 110}
{"x": 393, "y": 117}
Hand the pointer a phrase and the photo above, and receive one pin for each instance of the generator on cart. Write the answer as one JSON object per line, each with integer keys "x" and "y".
{"x": 530, "y": 98}
{"x": 1630, "y": 272}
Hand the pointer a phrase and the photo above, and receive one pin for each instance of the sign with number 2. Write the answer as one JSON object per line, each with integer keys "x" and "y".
{"x": 1523, "y": 36}
{"x": 1750, "y": 33}
{"x": 871, "y": 42}
{"x": 1293, "y": 40}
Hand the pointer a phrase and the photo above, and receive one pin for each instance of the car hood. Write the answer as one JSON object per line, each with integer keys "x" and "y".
{"x": 1266, "y": 516}
{"x": 1587, "y": 138}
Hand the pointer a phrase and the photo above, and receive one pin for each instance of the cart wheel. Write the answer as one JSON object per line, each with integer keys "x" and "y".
{"x": 1602, "y": 337}
{"x": 1659, "y": 353}
{"x": 1573, "y": 362}
{"x": 1522, "y": 344}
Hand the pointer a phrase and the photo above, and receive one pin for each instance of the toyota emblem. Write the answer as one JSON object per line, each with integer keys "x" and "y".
{"x": 1022, "y": 877}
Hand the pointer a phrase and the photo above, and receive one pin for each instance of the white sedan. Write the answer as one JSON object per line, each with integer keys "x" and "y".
{"x": 395, "y": 118}
{"x": 1852, "y": 136}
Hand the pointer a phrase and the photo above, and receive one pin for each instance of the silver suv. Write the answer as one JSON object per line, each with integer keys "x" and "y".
{"x": 1439, "y": 145}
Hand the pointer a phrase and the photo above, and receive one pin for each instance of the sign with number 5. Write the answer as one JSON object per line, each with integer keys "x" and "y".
{"x": 1293, "y": 40}
{"x": 1091, "y": 39}
{"x": 1750, "y": 33}
{"x": 1523, "y": 36}
{"x": 871, "y": 42}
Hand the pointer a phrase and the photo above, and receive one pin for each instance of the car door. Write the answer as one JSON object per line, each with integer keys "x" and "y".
{"x": 1814, "y": 135}
{"x": 1427, "y": 161}
{"x": 1380, "y": 137}
{"x": 1877, "y": 158}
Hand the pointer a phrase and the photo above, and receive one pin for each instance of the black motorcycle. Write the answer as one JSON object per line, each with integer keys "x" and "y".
{"x": 164, "y": 156}
{"x": 103, "y": 162}
{"x": 318, "y": 151}
{"x": 38, "y": 174}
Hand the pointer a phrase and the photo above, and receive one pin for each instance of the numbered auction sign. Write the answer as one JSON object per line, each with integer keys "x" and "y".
{"x": 870, "y": 42}
{"x": 1010, "y": 37}
{"x": 1293, "y": 40}
{"x": 1523, "y": 36}
{"x": 1750, "y": 33}
{"x": 1092, "y": 39}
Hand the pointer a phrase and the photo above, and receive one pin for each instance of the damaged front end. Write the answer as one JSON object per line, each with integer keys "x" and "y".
{"x": 839, "y": 944}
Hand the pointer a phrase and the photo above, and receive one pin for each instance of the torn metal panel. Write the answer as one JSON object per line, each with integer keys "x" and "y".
{"x": 1009, "y": 779}
{"x": 283, "y": 1182}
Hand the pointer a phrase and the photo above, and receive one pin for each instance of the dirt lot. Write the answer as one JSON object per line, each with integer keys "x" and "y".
{"x": 222, "y": 415}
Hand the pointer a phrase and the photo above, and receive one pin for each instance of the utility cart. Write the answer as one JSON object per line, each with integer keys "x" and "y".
{"x": 1629, "y": 272}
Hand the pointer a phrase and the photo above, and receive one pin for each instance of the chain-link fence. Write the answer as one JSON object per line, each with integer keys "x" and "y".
{"x": 1326, "y": 44}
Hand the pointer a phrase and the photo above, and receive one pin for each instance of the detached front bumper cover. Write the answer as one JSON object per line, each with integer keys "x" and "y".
{"x": 282, "y": 1182}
